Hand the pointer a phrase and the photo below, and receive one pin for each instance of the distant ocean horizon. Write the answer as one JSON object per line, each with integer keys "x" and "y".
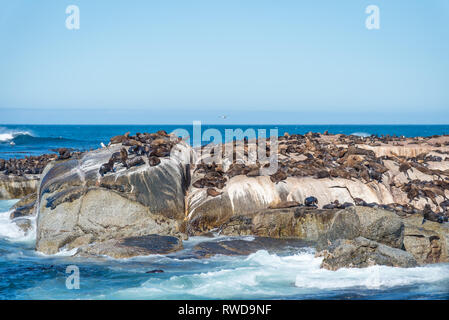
{"x": 21, "y": 140}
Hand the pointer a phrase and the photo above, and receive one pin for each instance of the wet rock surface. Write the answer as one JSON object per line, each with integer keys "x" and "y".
{"x": 23, "y": 224}
{"x": 244, "y": 247}
{"x": 132, "y": 246}
{"x": 25, "y": 207}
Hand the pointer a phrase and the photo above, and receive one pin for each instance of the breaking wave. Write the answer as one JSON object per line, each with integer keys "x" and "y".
{"x": 263, "y": 276}
{"x": 361, "y": 134}
{"x": 10, "y": 231}
{"x": 18, "y": 137}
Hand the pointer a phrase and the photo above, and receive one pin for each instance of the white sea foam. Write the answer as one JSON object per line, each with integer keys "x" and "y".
{"x": 361, "y": 134}
{"x": 8, "y": 134}
{"x": 6, "y": 137}
{"x": 268, "y": 275}
{"x": 11, "y": 232}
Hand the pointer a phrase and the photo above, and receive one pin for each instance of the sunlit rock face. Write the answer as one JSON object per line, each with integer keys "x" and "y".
{"x": 17, "y": 187}
{"x": 242, "y": 195}
{"x": 77, "y": 205}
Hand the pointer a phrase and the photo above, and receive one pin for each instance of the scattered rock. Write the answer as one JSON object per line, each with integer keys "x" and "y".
{"x": 23, "y": 223}
{"x": 155, "y": 271}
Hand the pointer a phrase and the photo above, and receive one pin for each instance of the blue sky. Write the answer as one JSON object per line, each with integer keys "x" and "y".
{"x": 174, "y": 61}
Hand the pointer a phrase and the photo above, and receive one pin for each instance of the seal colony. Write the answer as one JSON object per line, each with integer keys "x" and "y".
{"x": 352, "y": 158}
{"x": 325, "y": 185}
{"x": 134, "y": 148}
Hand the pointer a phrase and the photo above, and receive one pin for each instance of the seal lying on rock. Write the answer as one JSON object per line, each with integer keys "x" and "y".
{"x": 107, "y": 167}
{"x": 153, "y": 161}
{"x": 428, "y": 214}
{"x": 336, "y": 205}
{"x": 283, "y": 205}
{"x": 137, "y": 161}
{"x": 64, "y": 153}
{"x": 278, "y": 176}
{"x": 212, "y": 192}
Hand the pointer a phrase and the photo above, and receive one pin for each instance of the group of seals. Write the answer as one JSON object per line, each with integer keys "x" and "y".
{"x": 26, "y": 165}
{"x": 152, "y": 146}
{"x": 323, "y": 160}
{"x": 213, "y": 178}
{"x": 64, "y": 153}
{"x": 342, "y": 156}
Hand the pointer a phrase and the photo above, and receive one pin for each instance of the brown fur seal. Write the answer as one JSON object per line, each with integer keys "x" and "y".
{"x": 137, "y": 161}
{"x": 107, "y": 167}
{"x": 154, "y": 161}
{"x": 212, "y": 192}
{"x": 285, "y": 204}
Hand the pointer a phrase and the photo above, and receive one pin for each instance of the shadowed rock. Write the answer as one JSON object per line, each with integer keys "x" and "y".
{"x": 24, "y": 207}
{"x": 133, "y": 246}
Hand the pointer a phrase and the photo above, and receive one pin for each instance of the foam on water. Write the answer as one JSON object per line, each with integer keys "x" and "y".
{"x": 261, "y": 275}
{"x": 7, "y": 135}
{"x": 265, "y": 275}
{"x": 11, "y": 232}
{"x": 361, "y": 134}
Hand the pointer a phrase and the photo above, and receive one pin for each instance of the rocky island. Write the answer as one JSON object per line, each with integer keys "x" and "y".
{"x": 359, "y": 201}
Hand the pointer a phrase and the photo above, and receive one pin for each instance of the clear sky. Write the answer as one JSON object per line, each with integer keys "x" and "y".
{"x": 255, "y": 61}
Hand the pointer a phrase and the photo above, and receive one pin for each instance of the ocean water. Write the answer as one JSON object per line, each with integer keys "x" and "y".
{"x": 295, "y": 274}
{"x": 20, "y": 140}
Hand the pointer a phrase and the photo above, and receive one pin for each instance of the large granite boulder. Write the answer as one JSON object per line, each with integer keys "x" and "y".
{"x": 361, "y": 253}
{"x": 381, "y": 225}
{"x": 428, "y": 242}
{"x": 77, "y": 205}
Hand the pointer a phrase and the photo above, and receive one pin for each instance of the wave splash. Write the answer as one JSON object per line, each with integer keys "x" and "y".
{"x": 361, "y": 134}
{"x": 10, "y": 231}
{"x": 9, "y": 136}
{"x": 21, "y": 137}
{"x": 265, "y": 275}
